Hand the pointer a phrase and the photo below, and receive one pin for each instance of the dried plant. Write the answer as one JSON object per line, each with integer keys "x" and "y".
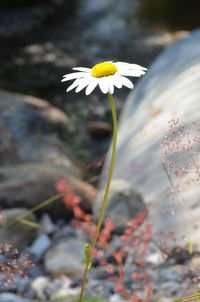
{"x": 12, "y": 264}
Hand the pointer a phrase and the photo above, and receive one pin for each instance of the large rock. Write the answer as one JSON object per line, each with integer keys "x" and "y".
{"x": 8, "y": 150}
{"x": 124, "y": 203}
{"x": 19, "y": 235}
{"x": 169, "y": 91}
{"x": 47, "y": 149}
{"x": 29, "y": 129}
{"x": 26, "y": 185}
{"x": 27, "y": 115}
{"x": 33, "y": 156}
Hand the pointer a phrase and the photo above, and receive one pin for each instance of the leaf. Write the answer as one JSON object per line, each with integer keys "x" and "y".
{"x": 88, "y": 256}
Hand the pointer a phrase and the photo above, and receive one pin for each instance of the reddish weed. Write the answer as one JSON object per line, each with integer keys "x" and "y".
{"x": 134, "y": 246}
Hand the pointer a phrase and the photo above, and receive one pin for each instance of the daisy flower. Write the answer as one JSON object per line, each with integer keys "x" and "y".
{"x": 107, "y": 75}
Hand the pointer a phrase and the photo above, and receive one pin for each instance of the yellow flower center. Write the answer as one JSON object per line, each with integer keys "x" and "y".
{"x": 103, "y": 69}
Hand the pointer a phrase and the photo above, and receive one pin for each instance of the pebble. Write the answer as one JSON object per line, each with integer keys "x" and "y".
{"x": 65, "y": 256}
{"x": 47, "y": 225}
{"x": 66, "y": 231}
{"x": 194, "y": 264}
{"x": 39, "y": 285}
{"x": 23, "y": 284}
{"x": 40, "y": 245}
{"x": 61, "y": 288}
{"x": 10, "y": 297}
{"x": 155, "y": 258}
{"x": 117, "y": 298}
{"x": 35, "y": 271}
{"x": 170, "y": 274}
{"x": 170, "y": 287}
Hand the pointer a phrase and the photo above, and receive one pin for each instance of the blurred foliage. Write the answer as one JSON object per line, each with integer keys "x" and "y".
{"x": 175, "y": 14}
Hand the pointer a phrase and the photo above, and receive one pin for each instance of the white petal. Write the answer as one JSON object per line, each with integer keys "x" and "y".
{"x": 126, "y": 82}
{"x": 72, "y": 76}
{"x": 124, "y": 65}
{"x": 82, "y": 69}
{"x": 111, "y": 85}
{"x": 73, "y": 85}
{"x": 91, "y": 87}
{"x": 104, "y": 84}
{"x": 130, "y": 73}
{"x": 136, "y": 66}
{"x": 117, "y": 82}
{"x": 121, "y": 63}
{"x": 83, "y": 83}
{"x": 111, "y": 88}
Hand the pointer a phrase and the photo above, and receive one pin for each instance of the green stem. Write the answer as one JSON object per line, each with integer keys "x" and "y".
{"x": 114, "y": 147}
{"x": 103, "y": 207}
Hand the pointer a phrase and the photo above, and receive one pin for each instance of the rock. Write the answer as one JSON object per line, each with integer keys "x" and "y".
{"x": 27, "y": 185}
{"x": 19, "y": 235}
{"x": 47, "y": 149}
{"x": 35, "y": 271}
{"x": 46, "y": 225}
{"x": 99, "y": 129}
{"x": 117, "y": 298}
{"x": 39, "y": 285}
{"x": 8, "y": 150}
{"x": 29, "y": 129}
{"x": 194, "y": 264}
{"x": 124, "y": 204}
{"x": 65, "y": 256}
{"x": 179, "y": 254}
{"x": 53, "y": 290}
{"x": 162, "y": 297}
{"x": 61, "y": 287}
{"x": 68, "y": 231}
{"x": 10, "y": 297}
{"x": 155, "y": 258}
{"x": 171, "y": 274}
{"x": 170, "y": 287}
{"x": 22, "y": 285}
{"x": 167, "y": 96}
{"x": 40, "y": 245}
{"x": 27, "y": 115}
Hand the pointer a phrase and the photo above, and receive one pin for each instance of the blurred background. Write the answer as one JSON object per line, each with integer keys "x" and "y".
{"x": 42, "y": 40}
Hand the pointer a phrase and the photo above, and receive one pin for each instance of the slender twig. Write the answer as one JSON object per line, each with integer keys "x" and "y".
{"x": 32, "y": 210}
